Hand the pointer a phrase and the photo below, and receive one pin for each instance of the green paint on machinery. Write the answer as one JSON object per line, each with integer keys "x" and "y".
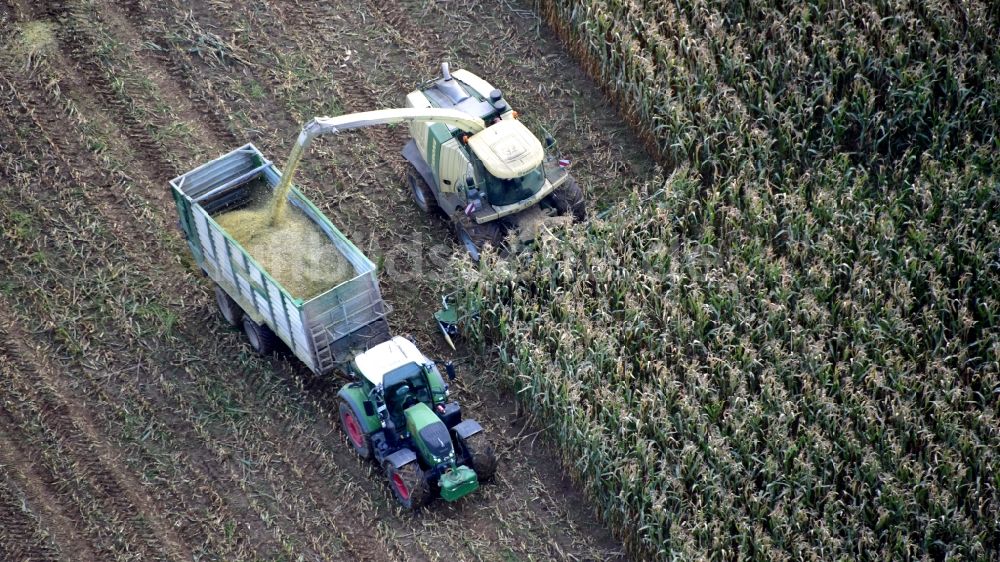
{"x": 458, "y": 482}
{"x": 397, "y": 411}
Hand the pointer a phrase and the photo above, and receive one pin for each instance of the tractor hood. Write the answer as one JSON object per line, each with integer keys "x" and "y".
{"x": 508, "y": 149}
{"x": 429, "y": 434}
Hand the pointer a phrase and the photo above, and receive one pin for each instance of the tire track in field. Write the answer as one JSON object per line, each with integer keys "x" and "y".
{"x": 61, "y": 526}
{"x": 22, "y": 534}
{"x": 78, "y": 43}
{"x": 209, "y": 108}
{"x": 57, "y": 177}
{"x": 45, "y": 417}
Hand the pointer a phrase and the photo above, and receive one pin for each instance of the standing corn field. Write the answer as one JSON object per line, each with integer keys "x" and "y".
{"x": 789, "y": 348}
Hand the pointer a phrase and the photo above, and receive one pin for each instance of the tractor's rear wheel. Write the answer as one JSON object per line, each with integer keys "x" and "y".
{"x": 408, "y": 485}
{"x": 261, "y": 338}
{"x": 568, "y": 200}
{"x": 422, "y": 193}
{"x": 474, "y": 236}
{"x": 231, "y": 312}
{"x": 482, "y": 455}
{"x": 351, "y": 425}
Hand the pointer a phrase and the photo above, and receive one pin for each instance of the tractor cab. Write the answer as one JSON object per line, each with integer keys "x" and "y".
{"x": 399, "y": 377}
{"x": 406, "y": 386}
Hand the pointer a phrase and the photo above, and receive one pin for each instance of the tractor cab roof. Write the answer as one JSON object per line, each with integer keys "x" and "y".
{"x": 507, "y": 149}
{"x": 386, "y": 357}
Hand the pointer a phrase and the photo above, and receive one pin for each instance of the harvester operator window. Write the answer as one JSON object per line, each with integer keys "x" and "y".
{"x": 510, "y": 191}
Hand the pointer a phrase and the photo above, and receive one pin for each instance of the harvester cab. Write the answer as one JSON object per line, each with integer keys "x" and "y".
{"x": 490, "y": 182}
{"x": 397, "y": 411}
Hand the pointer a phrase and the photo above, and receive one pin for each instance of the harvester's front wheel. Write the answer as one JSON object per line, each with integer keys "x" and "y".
{"x": 568, "y": 200}
{"x": 422, "y": 193}
{"x": 261, "y": 338}
{"x": 231, "y": 312}
{"x": 408, "y": 485}
{"x": 482, "y": 455}
{"x": 352, "y": 427}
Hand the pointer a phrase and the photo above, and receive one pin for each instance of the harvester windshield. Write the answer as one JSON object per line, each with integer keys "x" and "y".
{"x": 509, "y": 191}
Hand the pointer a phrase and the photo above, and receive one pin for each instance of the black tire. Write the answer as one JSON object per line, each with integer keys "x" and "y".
{"x": 474, "y": 237}
{"x": 421, "y": 192}
{"x": 568, "y": 200}
{"x": 408, "y": 485}
{"x": 261, "y": 338}
{"x": 231, "y": 312}
{"x": 356, "y": 436}
{"x": 482, "y": 455}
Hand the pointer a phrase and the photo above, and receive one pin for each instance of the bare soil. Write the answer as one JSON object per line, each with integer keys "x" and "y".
{"x": 133, "y": 424}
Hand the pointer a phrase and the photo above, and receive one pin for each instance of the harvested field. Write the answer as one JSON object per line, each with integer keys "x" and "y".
{"x": 133, "y": 425}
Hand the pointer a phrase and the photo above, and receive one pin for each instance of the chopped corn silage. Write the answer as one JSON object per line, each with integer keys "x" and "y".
{"x": 289, "y": 246}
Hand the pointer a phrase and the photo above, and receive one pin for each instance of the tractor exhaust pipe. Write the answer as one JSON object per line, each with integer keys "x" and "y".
{"x": 445, "y": 73}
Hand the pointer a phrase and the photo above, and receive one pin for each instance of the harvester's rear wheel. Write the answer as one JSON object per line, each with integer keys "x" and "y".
{"x": 568, "y": 199}
{"x": 474, "y": 236}
{"x": 482, "y": 455}
{"x": 261, "y": 338}
{"x": 352, "y": 427}
{"x": 421, "y": 192}
{"x": 231, "y": 312}
{"x": 408, "y": 484}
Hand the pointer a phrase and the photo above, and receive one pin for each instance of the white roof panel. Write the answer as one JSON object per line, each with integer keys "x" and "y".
{"x": 386, "y": 356}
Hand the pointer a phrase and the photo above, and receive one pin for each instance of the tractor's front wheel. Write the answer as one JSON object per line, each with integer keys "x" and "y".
{"x": 351, "y": 425}
{"x": 408, "y": 485}
{"x": 231, "y": 312}
{"x": 482, "y": 455}
{"x": 568, "y": 200}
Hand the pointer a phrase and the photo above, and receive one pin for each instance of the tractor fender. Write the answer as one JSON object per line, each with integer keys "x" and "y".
{"x": 400, "y": 458}
{"x": 467, "y": 428}
{"x": 355, "y": 397}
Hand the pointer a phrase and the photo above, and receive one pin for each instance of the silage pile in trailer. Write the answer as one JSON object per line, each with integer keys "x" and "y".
{"x": 289, "y": 246}
{"x": 790, "y": 351}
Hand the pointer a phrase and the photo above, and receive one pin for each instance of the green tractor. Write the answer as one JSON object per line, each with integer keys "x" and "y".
{"x": 397, "y": 412}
